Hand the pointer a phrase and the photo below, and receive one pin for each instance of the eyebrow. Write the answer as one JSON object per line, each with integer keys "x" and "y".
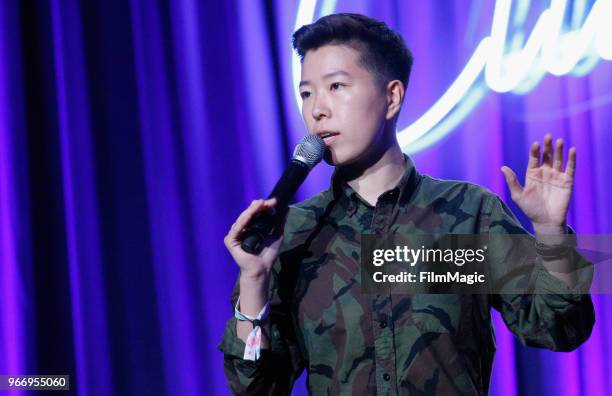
{"x": 328, "y": 75}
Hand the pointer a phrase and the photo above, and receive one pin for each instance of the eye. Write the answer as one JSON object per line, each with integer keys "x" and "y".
{"x": 335, "y": 85}
{"x": 304, "y": 94}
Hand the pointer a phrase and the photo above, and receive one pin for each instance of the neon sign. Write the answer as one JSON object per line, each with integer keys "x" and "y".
{"x": 501, "y": 63}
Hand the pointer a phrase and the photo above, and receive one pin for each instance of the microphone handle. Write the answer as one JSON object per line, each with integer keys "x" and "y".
{"x": 265, "y": 223}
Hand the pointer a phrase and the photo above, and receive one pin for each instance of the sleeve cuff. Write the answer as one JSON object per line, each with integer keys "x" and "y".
{"x": 549, "y": 285}
{"x": 231, "y": 344}
{"x": 234, "y": 346}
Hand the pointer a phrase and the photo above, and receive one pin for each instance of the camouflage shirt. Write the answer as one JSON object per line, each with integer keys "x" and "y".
{"x": 424, "y": 344}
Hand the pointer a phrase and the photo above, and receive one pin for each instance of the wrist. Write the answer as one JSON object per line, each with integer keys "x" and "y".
{"x": 550, "y": 229}
{"x": 552, "y": 234}
{"x": 253, "y": 296}
{"x": 254, "y": 288}
{"x": 259, "y": 277}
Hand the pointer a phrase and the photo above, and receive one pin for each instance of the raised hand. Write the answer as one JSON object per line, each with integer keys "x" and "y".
{"x": 547, "y": 192}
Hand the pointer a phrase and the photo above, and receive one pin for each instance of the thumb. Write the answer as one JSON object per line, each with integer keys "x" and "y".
{"x": 269, "y": 253}
{"x": 513, "y": 184}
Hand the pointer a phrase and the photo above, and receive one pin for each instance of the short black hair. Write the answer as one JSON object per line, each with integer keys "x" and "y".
{"x": 383, "y": 51}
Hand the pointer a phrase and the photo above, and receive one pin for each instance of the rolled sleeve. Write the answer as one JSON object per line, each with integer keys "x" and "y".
{"x": 553, "y": 315}
{"x": 278, "y": 366}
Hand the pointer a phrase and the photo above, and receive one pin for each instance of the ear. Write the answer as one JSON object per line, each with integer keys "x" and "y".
{"x": 395, "y": 97}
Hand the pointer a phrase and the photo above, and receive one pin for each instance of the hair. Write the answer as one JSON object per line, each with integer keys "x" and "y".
{"x": 383, "y": 51}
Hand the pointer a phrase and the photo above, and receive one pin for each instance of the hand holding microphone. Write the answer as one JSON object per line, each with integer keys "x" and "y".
{"x": 252, "y": 266}
{"x": 254, "y": 239}
{"x": 306, "y": 155}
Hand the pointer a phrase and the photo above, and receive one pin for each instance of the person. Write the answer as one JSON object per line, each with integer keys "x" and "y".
{"x": 299, "y": 303}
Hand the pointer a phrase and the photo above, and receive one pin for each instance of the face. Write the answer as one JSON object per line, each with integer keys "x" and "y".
{"x": 342, "y": 103}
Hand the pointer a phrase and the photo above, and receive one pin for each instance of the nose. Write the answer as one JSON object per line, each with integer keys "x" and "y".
{"x": 320, "y": 108}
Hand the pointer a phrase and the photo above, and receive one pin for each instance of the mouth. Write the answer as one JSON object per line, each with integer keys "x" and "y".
{"x": 328, "y": 137}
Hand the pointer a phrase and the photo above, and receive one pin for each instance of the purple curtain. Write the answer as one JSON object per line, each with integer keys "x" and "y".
{"x": 132, "y": 133}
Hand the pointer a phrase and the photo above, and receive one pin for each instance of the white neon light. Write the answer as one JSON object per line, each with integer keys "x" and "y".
{"x": 328, "y": 7}
{"x": 604, "y": 23}
{"x": 305, "y": 15}
{"x": 507, "y": 67}
{"x": 458, "y": 89}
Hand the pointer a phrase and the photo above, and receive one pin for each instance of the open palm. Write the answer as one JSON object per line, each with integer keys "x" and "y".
{"x": 548, "y": 189}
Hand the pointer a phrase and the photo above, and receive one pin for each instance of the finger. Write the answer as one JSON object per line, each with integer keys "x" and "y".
{"x": 570, "y": 168}
{"x": 547, "y": 154}
{"x": 245, "y": 218}
{"x": 266, "y": 205}
{"x": 271, "y": 202}
{"x": 270, "y": 252}
{"x": 513, "y": 184}
{"x": 248, "y": 211}
{"x": 239, "y": 226}
{"x": 231, "y": 240}
{"x": 534, "y": 156}
{"x": 558, "y": 161}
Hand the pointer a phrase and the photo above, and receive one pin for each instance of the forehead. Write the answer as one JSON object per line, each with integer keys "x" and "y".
{"x": 331, "y": 58}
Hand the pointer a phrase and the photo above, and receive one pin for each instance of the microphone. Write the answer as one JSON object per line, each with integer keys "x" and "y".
{"x": 306, "y": 155}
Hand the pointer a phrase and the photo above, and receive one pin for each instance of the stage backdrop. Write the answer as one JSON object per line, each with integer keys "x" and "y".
{"x": 132, "y": 134}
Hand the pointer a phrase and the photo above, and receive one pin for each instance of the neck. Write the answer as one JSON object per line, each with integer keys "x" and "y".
{"x": 374, "y": 176}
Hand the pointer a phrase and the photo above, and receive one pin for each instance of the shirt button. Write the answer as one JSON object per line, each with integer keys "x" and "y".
{"x": 382, "y": 324}
{"x": 386, "y": 377}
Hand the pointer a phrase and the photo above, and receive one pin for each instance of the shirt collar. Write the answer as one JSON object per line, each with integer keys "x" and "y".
{"x": 404, "y": 189}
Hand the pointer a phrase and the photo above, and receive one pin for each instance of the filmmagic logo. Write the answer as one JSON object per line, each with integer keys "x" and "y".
{"x": 564, "y": 40}
{"x": 430, "y": 277}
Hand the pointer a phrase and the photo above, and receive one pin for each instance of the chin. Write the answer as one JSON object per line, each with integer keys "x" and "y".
{"x": 328, "y": 157}
{"x": 333, "y": 158}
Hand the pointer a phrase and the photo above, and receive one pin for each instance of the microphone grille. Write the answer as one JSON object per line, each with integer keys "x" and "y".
{"x": 309, "y": 150}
